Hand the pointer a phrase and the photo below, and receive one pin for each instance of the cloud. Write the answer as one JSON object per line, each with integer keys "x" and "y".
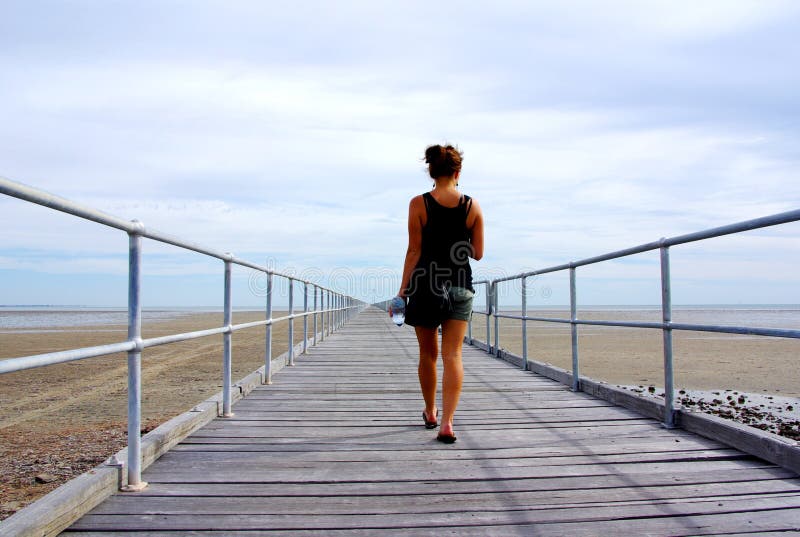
{"x": 295, "y": 134}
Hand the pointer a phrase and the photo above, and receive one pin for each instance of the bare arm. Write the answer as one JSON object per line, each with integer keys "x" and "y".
{"x": 416, "y": 211}
{"x": 475, "y": 225}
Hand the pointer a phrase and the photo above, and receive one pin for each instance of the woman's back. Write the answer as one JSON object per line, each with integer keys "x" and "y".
{"x": 446, "y": 242}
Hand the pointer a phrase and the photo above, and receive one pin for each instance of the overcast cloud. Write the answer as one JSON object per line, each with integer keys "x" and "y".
{"x": 291, "y": 134}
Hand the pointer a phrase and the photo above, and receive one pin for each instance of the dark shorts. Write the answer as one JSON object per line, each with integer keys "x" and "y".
{"x": 423, "y": 316}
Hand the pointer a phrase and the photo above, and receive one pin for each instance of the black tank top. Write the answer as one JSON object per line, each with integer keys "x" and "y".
{"x": 446, "y": 243}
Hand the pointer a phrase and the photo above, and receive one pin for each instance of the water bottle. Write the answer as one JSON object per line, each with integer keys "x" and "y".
{"x": 398, "y": 310}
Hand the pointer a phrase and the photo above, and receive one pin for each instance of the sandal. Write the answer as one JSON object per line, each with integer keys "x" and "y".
{"x": 430, "y": 424}
{"x": 446, "y": 438}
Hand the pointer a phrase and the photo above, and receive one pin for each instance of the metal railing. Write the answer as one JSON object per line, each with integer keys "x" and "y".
{"x": 334, "y": 310}
{"x": 666, "y": 325}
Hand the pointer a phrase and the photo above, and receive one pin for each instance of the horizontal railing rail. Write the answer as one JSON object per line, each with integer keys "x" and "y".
{"x": 666, "y": 325}
{"x": 328, "y": 313}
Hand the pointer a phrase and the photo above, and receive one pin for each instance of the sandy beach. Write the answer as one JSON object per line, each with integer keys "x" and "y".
{"x": 631, "y": 356}
{"x": 59, "y": 421}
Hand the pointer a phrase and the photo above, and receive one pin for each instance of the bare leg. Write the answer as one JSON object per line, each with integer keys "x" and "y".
{"x": 428, "y": 353}
{"x": 453, "y": 332}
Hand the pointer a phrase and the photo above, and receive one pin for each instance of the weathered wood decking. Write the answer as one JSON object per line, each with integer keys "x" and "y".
{"x": 336, "y": 446}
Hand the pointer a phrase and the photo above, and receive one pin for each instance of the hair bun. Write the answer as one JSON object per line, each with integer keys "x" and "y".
{"x": 443, "y": 161}
{"x": 434, "y": 154}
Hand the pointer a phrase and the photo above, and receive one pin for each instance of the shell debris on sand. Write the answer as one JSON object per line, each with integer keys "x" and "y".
{"x": 772, "y": 413}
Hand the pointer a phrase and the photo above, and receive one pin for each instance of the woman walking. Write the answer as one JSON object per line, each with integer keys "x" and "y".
{"x": 445, "y": 229}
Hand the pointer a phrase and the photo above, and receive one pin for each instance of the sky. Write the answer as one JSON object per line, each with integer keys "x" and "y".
{"x": 292, "y": 133}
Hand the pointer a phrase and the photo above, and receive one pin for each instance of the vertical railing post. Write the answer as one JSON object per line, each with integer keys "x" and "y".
{"x": 666, "y": 316}
{"x": 495, "y": 296}
{"x": 315, "y": 315}
{"x": 268, "y": 354}
{"x": 226, "y": 344}
{"x": 135, "y": 482}
{"x": 305, "y": 317}
{"x": 322, "y": 314}
{"x": 524, "y": 323}
{"x": 488, "y": 316}
{"x": 291, "y": 321}
{"x": 573, "y": 316}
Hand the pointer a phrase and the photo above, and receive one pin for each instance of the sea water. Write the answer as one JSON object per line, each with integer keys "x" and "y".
{"x": 29, "y": 319}
{"x": 48, "y": 318}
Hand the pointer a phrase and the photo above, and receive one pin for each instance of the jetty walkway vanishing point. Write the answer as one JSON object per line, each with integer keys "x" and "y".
{"x": 335, "y": 445}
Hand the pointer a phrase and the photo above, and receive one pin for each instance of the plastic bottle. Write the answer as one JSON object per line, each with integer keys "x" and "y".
{"x": 398, "y": 307}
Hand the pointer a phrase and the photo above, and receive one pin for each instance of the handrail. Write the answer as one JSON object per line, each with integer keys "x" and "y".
{"x": 666, "y": 325}
{"x": 333, "y": 311}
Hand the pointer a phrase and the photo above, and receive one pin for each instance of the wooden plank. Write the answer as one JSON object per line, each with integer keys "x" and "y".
{"x": 198, "y": 521}
{"x": 635, "y": 445}
{"x": 424, "y": 504}
{"x": 253, "y": 473}
{"x": 598, "y": 445}
{"x": 763, "y": 523}
{"x": 737, "y": 480}
{"x": 354, "y": 461}
{"x": 464, "y": 415}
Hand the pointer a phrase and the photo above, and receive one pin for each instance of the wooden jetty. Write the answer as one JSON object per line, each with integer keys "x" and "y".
{"x": 336, "y": 446}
